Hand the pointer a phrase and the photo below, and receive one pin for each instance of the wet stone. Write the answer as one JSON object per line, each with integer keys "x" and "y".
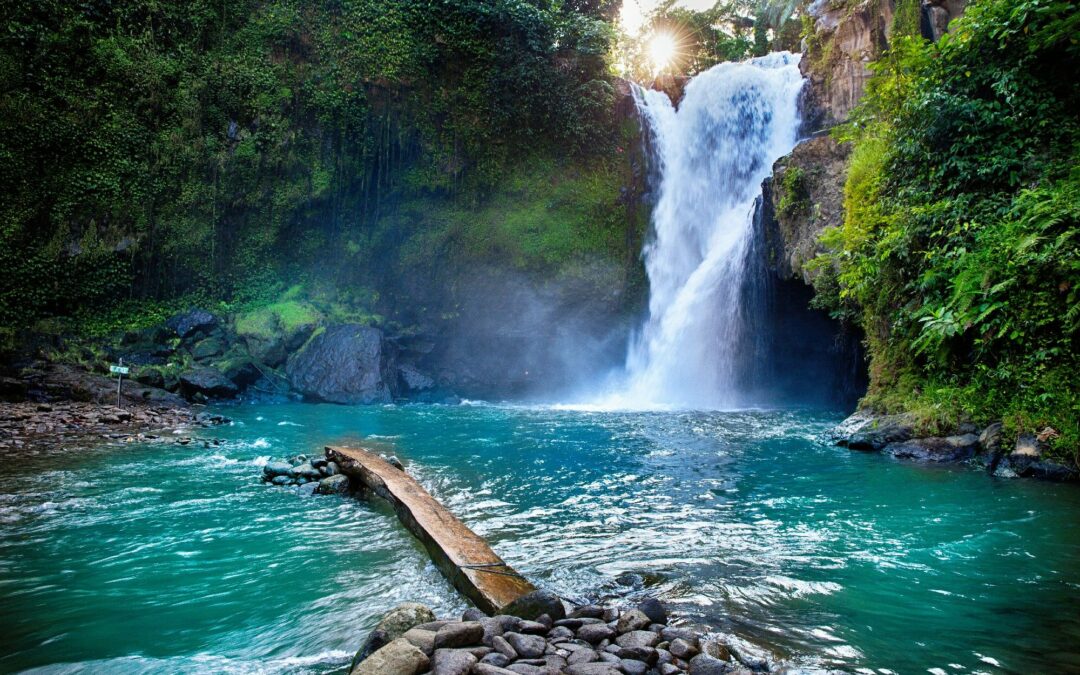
{"x": 527, "y": 646}
{"x": 595, "y": 632}
{"x": 459, "y": 634}
{"x": 638, "y": 638}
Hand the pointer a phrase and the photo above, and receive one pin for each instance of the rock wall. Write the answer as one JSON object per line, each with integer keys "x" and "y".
{"x": 806, "y": 194}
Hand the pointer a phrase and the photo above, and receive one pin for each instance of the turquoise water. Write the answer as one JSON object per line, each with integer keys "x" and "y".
{"x": 168, "y": 558}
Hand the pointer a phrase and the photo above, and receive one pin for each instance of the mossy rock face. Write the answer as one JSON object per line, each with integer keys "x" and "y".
{"x": 272, "y": 332}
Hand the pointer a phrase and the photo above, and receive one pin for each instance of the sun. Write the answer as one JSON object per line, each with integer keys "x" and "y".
{"x": 662, "y": 51}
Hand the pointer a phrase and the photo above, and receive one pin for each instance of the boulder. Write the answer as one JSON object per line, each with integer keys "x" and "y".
{"x": 459, "y": 634}
{"x": 272, "y": 469}
{"x": 866, "y": 431}
{"x": 344, "y": 364}
{"x": 632, "y": 620}
{"x": 654, "y": 609}
{"x": 208, "y": 349}
{"x": 934, "y": 449}
{"x": 186, "y": 324}
{"x": 333, "y": 485}
{"x": 413, "y": 380}
{"x": 209, "y": 382}
{"x": 453, "y": 662}
{"x": 526, "y": 646}
{"x": 392, "y": 626}
{"x": 399, "y": 657}
{"x": 532, "y": 605}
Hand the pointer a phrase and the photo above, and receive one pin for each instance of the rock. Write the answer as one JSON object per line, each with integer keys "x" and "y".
{"x": 453, "y": 662}
{"x": 344, "y": 364}
{"x": 459, "y": 634}
{"x": 496, "y": 659}
{"x": 527, "y": 669}
{"x": 473, "y": 614}
{"x": 633, "y": 667}
{"x": 671, "y": 633}
{"x": 399, "y": 657}
{"x": 595, "y": 632}
{"x": 532, "y": 605}
{"x": 934, "y": 449}
{"x": 271, "y": 469}
{"x": 560, "y": 632}
{"x": 638, "y": 638}
{"x": 207, "y": 349}
{"x": 192, "y": 321}
{"x": 281, "y": 480}
{"x": 990, "y": 438}
{"x": 703, "y": 664}
{"x": 490, "y": 669}
{"x": 668, "y": 669}
{"x": 867, "y": 431}
{"x": 593, "y": 669}
{"x": 503, "y": 647}
{"x": 307, "y": 489}
{"x": 587, "y": 612}
{"x": 582, "y": 656}
{"x": 207, "y": 381}
{"x": 394, "y": 625}
{"x": 532, "y": 628}
{"x": 334, "y": 485}
{"x": 632, "y": 620}
{"x": 424, "y": 640}
{"x": 682, "y": 649}
{"x": 332, "y": 469}
{"x": 716, "y": 650}
{"x": 305, "y": 470}
{"x": 646, "y": 655}
{"x": 413, "y": 380}
{"x": 527, "y": 646}
{"x": 654, "y": 609}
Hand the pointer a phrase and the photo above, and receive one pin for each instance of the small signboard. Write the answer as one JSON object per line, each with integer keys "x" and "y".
{"x": 118, "y": 370}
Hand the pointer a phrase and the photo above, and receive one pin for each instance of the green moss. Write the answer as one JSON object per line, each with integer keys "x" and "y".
{"x": 280, "y": 317}
{"x": 794, "y": 199}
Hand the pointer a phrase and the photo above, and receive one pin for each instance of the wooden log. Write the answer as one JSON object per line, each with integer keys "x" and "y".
{"x": 463, "y": 557}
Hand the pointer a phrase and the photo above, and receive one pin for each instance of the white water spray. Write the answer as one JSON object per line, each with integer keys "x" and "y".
{"x": 734, "y": 121}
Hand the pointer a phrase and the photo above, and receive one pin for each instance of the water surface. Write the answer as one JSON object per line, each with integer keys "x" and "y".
{"x": 171, "y": 558}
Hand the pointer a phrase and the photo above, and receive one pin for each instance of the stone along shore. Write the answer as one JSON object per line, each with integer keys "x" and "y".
{"x": 67, "y": 425}
{"x": 536, "y": 635}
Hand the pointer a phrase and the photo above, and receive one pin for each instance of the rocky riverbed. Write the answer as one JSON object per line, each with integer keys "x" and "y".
{"x": 34, "y": 427}
{"x": 541, "y": 634}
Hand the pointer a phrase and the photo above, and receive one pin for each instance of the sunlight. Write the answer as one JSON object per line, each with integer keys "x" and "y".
{"x": 662, "y": 50}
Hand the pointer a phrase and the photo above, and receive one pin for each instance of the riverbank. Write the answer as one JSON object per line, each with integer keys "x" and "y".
{"x": 31, "y": 427}
{"x": 1024, "y": 455}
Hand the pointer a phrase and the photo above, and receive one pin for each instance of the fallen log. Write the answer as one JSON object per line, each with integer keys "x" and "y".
{"x": 463, "y": 557}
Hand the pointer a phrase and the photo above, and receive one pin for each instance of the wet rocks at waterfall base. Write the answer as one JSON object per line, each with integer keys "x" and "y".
{"x": 314, "y": 475}
{"x": 584, "y": 640}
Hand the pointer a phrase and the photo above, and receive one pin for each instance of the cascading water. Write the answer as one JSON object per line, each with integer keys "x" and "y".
{"x": 713, "y": 152}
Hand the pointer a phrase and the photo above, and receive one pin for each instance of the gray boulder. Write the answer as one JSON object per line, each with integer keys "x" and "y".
{"x": 399, "y": 657}
{"x": 209, "y": 382}
{"x": 192, "y": 321}
{"x": 334, "y": 485}
{"x": 345, "y": 364}
{"x": 532, "y": 605}
{"x": 453, "y": 662}
{"x": 867, "y": 431}
{"x": 948, "y": 449}
{"x": 392, "y": 626}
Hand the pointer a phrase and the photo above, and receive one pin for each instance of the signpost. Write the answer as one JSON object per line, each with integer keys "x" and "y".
{"x": 120, "y": 371}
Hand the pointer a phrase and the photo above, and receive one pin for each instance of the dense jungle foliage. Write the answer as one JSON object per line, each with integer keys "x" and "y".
{"x": 959, "y": 253}
{"x": 156, "y": 150}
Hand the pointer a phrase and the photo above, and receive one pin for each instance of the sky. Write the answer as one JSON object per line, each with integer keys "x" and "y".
{"x": 633, "y": 13}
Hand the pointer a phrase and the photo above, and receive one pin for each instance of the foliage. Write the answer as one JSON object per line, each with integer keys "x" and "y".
{"x": 154, "y": 150}
{"x": 960, "y": 248}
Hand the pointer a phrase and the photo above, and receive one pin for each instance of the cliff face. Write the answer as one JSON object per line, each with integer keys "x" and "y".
{"x": 806, "y": 191}
{"x": 847, "y": 37}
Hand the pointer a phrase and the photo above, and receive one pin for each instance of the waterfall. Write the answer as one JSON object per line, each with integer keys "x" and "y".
{"x": 712, "y": 154}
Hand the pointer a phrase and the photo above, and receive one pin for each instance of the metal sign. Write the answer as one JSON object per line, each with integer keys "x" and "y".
{"x": 118, "y": 370}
